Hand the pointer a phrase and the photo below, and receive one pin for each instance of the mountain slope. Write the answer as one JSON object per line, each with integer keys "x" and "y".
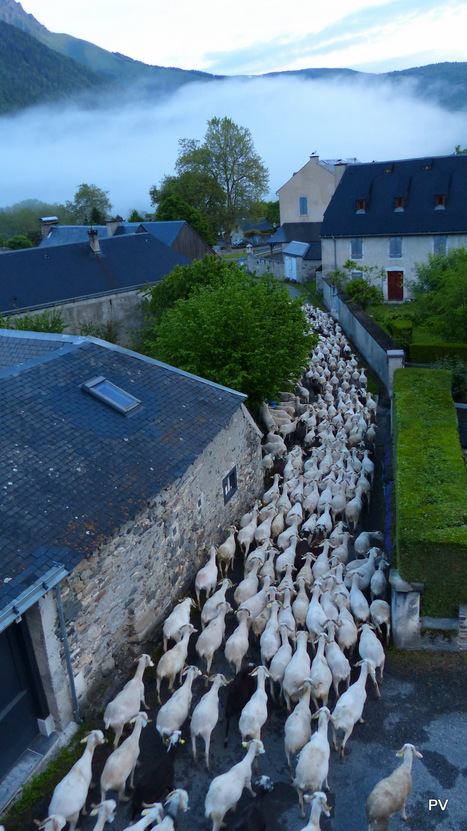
{"x": 32, "y": 73}
{"x": 111, "y": 65}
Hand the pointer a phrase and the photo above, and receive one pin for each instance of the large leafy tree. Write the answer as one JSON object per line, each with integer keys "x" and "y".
{"x": 441, "y": 293}
{"x": 174, "y": 208}
{"x": 90, "y": 205}
{"x": 238, "y": 330}
{"x": 223, "y": 175}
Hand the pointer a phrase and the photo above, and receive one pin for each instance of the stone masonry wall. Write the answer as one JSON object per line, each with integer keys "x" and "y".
{"x": 116, "y": 600}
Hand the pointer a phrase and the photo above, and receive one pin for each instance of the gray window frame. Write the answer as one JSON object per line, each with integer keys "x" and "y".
{"x": 91, "y": 387}
{"x": 303, "y": 203}
{"x": 392, "y": 244}
{"x": 356, "y": 243}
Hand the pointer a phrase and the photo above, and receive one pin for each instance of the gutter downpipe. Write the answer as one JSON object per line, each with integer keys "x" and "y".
{"x": 64, "y": 639}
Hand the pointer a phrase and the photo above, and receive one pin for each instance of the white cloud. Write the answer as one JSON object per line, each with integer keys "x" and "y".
{"x": 131, "y": 144}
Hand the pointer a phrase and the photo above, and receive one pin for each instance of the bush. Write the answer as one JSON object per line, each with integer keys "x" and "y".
{"x": 48, "y": 321}
{"x": 362, "y": 292}
{"x": 458, "y": 370}
{"x": 430, "y": 490}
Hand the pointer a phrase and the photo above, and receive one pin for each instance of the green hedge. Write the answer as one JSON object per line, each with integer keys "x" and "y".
{"x": 429, "y": 353}
{"x": 401, "y": 330}
{"x": 431, "y": 490}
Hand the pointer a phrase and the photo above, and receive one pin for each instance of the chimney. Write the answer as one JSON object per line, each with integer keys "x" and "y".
{"x": 46, "y": 224}
{"x": 94, "y": 241}
{"x": 113, "y": 224}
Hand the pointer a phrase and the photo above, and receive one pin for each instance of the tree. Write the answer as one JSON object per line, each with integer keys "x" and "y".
{"x": 90, "y": 205}
{"x": 135, "y": 217}
{"x": 18, "y": 241}
{"x": 174, "y": 208}
{"x": 239, "y": 330}
{"x": 268, "y": 210}
{"x": 441, "y": 294}
{"x": 222, "y": 176}
{"x": 361, "y": 289}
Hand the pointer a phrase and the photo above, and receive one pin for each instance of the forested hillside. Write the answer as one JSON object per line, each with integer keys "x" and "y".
{"x": 31, "y": 73}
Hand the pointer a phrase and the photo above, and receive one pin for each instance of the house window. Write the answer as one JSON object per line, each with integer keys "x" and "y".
{"x": 395, "y": 247}
{"x": 361, "y": 206}
{"x": 399, "y": 203}
{"x": 356, "y": 248}
{"x": 303, "y": 205}
{"x": 229, "y": 484}
{"x": 115, "y": 397}
{"x": 440, "y": 201}
{"x": 440, "y": 244}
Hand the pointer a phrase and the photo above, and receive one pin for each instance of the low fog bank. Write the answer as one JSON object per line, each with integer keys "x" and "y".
{"x": 131, "y": 141}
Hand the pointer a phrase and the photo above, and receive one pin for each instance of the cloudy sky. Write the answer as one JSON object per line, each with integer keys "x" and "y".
{"x": 130, "y": 143}
{"x": 252, "y": 38}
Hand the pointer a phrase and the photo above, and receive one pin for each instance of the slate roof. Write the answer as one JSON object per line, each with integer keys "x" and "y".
{"x": 297, "y": 231}
{"x": 37, "y": 277}
{"x": 418, "y": 181}
{"x": 68, "y": 234}
{"x": 73, "y": 470}
{"x": 166, "y": 232}
{"x": 296, "y": 249}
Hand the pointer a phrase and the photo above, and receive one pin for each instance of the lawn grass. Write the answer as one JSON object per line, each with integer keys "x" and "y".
{"x": 383, "y": 313}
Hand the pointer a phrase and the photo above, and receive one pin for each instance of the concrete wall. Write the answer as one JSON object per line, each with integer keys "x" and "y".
{"x": 123, "y": 309}
{"x": 115, "y": 601}
{"x": 314, "y": 181}
{"x": 376, "y": 347}
{"x": 375, "y": 250}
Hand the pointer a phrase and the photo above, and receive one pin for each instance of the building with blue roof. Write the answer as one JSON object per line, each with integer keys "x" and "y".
{"x": 393, "y": 214}
{"x": 118, "y": 472}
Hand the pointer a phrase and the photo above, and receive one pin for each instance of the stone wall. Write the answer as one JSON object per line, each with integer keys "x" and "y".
{"x": 260, "y": 265}
{"x": 116, "y": 600}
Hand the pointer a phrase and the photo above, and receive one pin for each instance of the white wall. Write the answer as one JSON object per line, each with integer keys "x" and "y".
{"x": 375, "y": 250}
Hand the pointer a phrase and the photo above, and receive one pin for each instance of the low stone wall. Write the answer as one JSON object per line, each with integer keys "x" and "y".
{"x": 376, "y": 347}
{"x": 260, "y": 265}
{"x": 116, "y": 600}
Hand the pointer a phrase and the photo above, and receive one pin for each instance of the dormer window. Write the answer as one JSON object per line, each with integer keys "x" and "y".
{"x": 361, "y": 206}
{"x": 399, "y": 203}
{"x": 440, "y": 201}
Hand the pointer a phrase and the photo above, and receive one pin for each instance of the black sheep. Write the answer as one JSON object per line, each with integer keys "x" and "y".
{"x": 252, "y": 816}
{"x": 157, "y": 782}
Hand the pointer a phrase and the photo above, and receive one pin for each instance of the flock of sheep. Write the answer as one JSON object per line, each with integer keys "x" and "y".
{"x": 300, "y": 588}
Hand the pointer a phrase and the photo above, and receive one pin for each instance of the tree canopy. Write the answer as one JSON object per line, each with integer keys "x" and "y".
{"x": 174, "y": 207}
{"x": 441, "y": 293}
{"x": 222, "y": 176}
{"x": 237, "y": 329}
{"x": 90, "y": 205}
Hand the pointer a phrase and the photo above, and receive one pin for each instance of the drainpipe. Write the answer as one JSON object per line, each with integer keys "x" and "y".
{"x": 64, "y": 639}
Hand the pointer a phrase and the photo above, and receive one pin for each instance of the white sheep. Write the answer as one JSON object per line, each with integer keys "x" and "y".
{"x": 249, "y": 585}
{"x": 312, "y": 768}
{"x": 320, "y": 674}
{"x": 270, "y": 639}
{"x": 176, "y": 801}
{"x": 380, "y": 613}
{"x": 148, "y": 817}
{"x": 126, "y": 704}
{"x": 205, "y": 717}
{"x": 212, "y": 605}
{"x": 53, "y": 823}
{"x": 105, "y": 812}
{"x": 297, "y": 728}
{"x": 255, "y": 711}
{"x": 337, "y": 662}
{"x": 369, "y": 646}
{"x": 225, "y": 790}
{"x": 296, "y": 670}
{"x": 121, "y": 763}
{"x": 349, "y": 708}
{"x": 236, "y": 646}
{"x": 175, "y": 711}
{"x": 206, "y": 577}
{"x": 318, "y": 806}
{"x": 280, "y": 659}
{"x": 69, "y": 796}
{"x": 390, "y": 794}
{"x": 226, "y": 551}
{"x": 171, "y": 663}
{"x": 179, "y": 617}
{"x": 212, "y": 637}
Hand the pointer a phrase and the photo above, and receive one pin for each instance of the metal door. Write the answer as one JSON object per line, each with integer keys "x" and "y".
{"x": 19, "y": 704}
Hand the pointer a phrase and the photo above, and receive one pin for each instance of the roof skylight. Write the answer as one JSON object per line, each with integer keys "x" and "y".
{"x": 107, "y": 392}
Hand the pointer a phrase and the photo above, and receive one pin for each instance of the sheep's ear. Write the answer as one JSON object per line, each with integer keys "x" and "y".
{"x": 418, "y": 754}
